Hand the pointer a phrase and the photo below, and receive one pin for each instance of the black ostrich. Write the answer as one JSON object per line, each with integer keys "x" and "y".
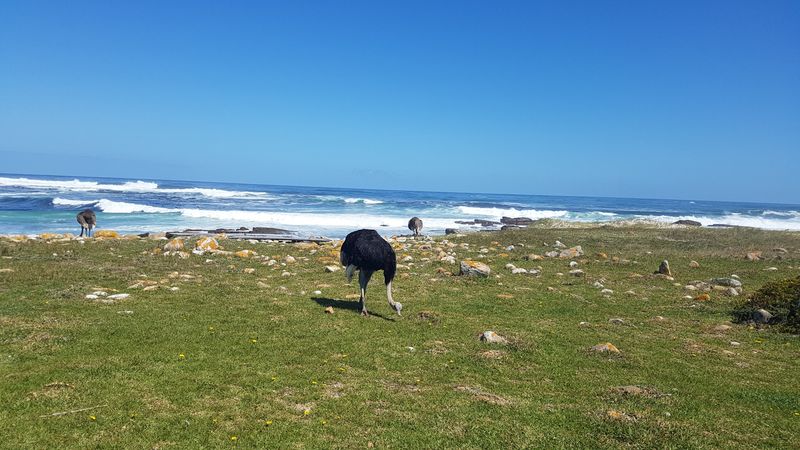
{"x": 87, "y": 220}
{"x": 367, "y": 252}
{"x": 415, "y": 225}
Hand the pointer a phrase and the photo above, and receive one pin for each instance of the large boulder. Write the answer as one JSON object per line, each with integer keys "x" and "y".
{"x": 174, "y": 245}
{"x": 206, "y": 244}
{"x": 474, "y": 269}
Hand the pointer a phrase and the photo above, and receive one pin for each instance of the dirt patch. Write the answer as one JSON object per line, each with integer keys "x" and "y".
{"x": 480, "y": 394}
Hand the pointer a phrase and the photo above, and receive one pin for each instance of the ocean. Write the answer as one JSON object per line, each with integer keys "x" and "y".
{"x": 33, "y": 204}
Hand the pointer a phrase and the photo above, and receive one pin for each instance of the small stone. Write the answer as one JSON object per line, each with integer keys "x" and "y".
{"x": 533, "y": 257}
{"x": 552, "y": 254}
{"x": 331, "y": 269}
{"x": 598, "y": 285}
{"x": 286, "y": 274}
{"x": 616, "y": 321}
{"x": 607, "y": 347}
{"x": 534, "y": 272}
{"x": 245, "y": 253}
{"x": 249, "y": 270}
{"x": 703, "y": 298}
{"x": 732, "y": 292}
{"x": 606, "y": 292}
{"x": 690, "y": 287}
{"x": 119, "y": 296}
{"x": 573, "y": 264}
{"x": 289, "y": 259}
{"x": 694, "y": 264}
{"x": 735, "y": 344}
{"x": 722, "y": 327}
{"x": 519, "y": 270}
{"x": 572, "y": 252}
{"x": 329, "y": 310}
{"x": 408, "y": 259}
{"x": 125, "y": 313}
{"x": 577, "y": 273}
{"x": 317, "y": 292}
{"x": 559, "y": 244}
{"x": 770, "y": 269}
{"x": 91, "y": 297}
{"x": 510, "y": 248}
{"x": 100, "y": 293}
{"x": 510, "y": 266}
{"x": 492, "y": 338}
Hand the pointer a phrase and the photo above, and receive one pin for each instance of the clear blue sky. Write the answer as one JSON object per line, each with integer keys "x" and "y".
{"x": 697, "y": 100}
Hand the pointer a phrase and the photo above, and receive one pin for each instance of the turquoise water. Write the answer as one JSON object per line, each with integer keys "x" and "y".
{"x": 32, "y": 204}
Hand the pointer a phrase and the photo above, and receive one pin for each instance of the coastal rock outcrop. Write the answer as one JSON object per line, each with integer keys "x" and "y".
{"x": 474, "y": 269}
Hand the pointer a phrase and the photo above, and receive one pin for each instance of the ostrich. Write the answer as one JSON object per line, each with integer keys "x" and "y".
{"x": 88, "y": 221}
{"x": 415, "y": 225}
{"x": 367, "y": 252}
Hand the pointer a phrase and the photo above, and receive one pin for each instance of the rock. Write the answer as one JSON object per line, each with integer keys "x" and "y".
{"x": 286, "y": 274}
{"x": 606, "y": 292}
{"x": 771, "y": 269}
{"x": 491, "y": 337}
{"x": 607, "y": 347}
{"x": 690, "y": 287}
{"x": 732, "y": 292}
{"x": 722, "y": 328}
{"x": 107, "y": 234}
{"x": 780, "y": 250}
{"x": 119, "y": 296}
{"x": 694, "y": 264}
{"x": 449, "y": 259}
{"x": 616, "y": 321}
{"x": 601, "y": 255}
{"x": 450, "y": 231}
{"x": 516, "y": 221}
{"x": 91, "y": 297}
{"x": 573, "y": 264}
{"x": 100, "y": 293}
{"x": 559, "y": 244}
{"x": 510, "y": 266}
{"x": 534, "y": 272}
{"x": 289, "y": 259}
{"x": 572, "y": 252}
{"x": 206, "y": 244}
{"x": 474, "y": 268}
{"x": 331, "y": 269}
{"x": 729, "y": 282}
{"x": 663, "y": 269}
{"x": 552, "y": 254}
{"x": 753, "y": 256}
{"x": 407, "y": 259}
{"x": 174, "y": 245}
{"x": 533, "y": 257}
{"x": 517, "y": 270}
{"x": 510, "y": 248}
{"x": 762, "y": 316}
{"x": 125, "y": 313}
{"x": 577, "y": 273}
{"x": 703, "y": 298}
{"x": 689, "y": 223}
{"x": 329, "y": 310}
{"x": 6, "y": 270}
{"x": 245, "y": 253}
{"x": 249, "y": 270}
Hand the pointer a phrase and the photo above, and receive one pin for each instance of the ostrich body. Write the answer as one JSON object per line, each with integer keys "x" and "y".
{"x": 415, "y": 225}
{"x": 87, "y": 220}
{"x": 367, "y": 252}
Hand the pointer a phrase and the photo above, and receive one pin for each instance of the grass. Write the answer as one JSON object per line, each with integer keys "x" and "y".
{"x": 236, "y": 359}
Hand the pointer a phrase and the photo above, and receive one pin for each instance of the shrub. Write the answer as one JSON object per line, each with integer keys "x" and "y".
{"x": 780, "y": 298}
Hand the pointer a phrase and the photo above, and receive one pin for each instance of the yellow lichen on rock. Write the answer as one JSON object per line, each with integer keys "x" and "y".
{"x": 207, "y": 244}
{"x": 174, "y": 245}
{"x": 245, "y": 253}
{"x": 105, "y": 234}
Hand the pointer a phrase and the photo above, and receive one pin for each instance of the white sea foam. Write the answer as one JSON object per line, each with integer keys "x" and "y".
{"x": 68, "y": 202}
{"x": 497, "y": 213}
{"x": 366, "y": 201}
{"x": 112, "y": 207}
{"x": 77, "y": 185}
{"x": 734, "y": 219}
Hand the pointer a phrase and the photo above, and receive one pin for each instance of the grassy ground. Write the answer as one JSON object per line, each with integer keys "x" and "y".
{"x": 237, "y": 359}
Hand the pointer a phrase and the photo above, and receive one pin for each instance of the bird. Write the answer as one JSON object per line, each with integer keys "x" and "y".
{"x": 367, "y": 252}
{"x": 87, "y": 220}
{"x": 415, "y": 225}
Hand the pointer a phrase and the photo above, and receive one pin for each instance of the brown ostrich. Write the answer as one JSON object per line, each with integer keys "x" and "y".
{"x": 415, "y": 225}
{"x": 87, "y": 220}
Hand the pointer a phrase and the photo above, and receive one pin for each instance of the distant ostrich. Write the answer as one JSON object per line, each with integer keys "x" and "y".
{"x": 367, "y": 252}
{"x": 87, "y": 220}
{"x": 415, "y": 225}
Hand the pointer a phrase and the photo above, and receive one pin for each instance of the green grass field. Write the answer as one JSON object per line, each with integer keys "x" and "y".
{"x": 236, "y": 358}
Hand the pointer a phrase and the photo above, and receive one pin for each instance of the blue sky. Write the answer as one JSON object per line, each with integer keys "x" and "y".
{"x": 696, "y": 100}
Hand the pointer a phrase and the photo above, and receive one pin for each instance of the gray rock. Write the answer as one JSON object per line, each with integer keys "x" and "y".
{"x": 762, "y": 316}
{"x": 516, "y": 221}
{"x": 573, "y": 264}
{"x": 577, "y": 273}
{"x": 475, "y": 269}
{"x": 690, "y": 223}
{"x": 729, "y": 282}
{"x": 572, "y": 252}
{"x": 450, "y": 231}
{"x": 519, "y": 270}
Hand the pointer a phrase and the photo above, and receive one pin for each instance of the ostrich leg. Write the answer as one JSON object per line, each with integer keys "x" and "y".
{"x": 363, "y": 279}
